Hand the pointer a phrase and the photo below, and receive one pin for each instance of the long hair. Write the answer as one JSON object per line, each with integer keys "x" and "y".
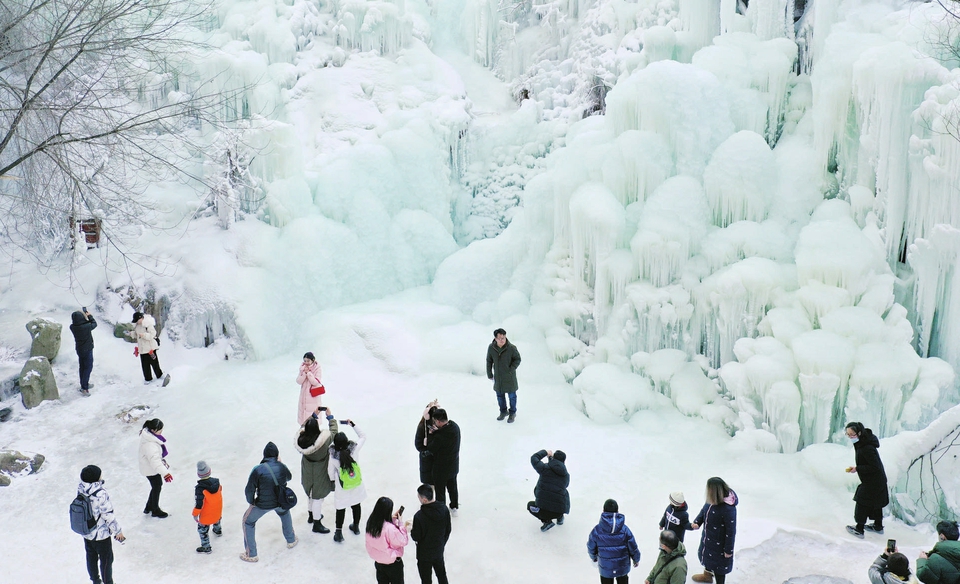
{"x": 857, "y": 428}
{"x": 153, "y": 424}
{"x": 309, "y": 434}
{"x": 717, "y": 490}
{"x": 341, "y": 445}
{"x": 382, "y": 513}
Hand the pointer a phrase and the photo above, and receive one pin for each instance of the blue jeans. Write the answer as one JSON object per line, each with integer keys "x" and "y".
{"x": 204, "y": 531}
{"x": 502, "y": 400}
{"x": 86, "y": 367}
{"x": 250, "y": 519}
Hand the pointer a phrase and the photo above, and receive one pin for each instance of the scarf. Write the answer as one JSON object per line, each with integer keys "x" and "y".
{"x": 163, "y": 446}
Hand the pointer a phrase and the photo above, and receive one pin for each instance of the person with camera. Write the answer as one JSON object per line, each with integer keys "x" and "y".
{"x": 387, "y": 535}
{"x": 82, "y": 329}
{"x": 314, "y": 446}
{"x": 890, "y": 567}
{"x": 344, "y": 471}
{"x": 267, "y": 480}
{"x": 941, "y": 565}
{"x": 552, "y": 500}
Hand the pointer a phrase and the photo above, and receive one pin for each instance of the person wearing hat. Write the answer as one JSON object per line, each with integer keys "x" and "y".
{"x": 147, "y": 345}
{"x": 266, "y": 479}
{"x": 611, "y": 545}
{"x": 676, "y": 518}
{"x": 97, "y": 543}
{"x": 311, "y": 388}
{"x": 890, "y": 567}
{"x": 82, "y": 329}
{"x": 209, "y": 506}
{"x": 552, "y": 499}
{"x": 343, "y": 470}
{"x": 671, "y": 565}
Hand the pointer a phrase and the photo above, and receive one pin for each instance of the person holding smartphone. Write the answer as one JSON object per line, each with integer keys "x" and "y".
{"x": 82, "y": 329}
{"x": 314, "y": 446}
{"x": 890, "y": 567}
{"x": 387, "y": 535}
{"x": 344, "y": 471}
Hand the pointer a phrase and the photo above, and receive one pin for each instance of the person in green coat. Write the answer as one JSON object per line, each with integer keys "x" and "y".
{"x": 671, "y": 566}
{"x": 314, "y": 445}
{"x": 503, "y": 359}
{"x": 942, "y": 564}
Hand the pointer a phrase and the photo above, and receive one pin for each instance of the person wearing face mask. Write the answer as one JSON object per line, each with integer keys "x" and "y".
{"x": 872, "y": 494}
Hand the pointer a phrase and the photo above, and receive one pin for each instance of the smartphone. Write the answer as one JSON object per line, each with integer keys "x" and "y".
{"x": 322, "y": 408}
{"x": 400, "y": 511}
{"x": 891, "y": 545}
{"x": 344, "y": 422}
{"x": 84, "y": 308}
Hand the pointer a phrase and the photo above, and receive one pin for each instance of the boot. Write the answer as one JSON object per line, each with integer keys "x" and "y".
{"x": 319, "y": 528}
{"x": 705, "y": 577}
{"x": 338, "y": 536}
{"x": 309, "y": 516}
{"x": 353, "y": 527}
{"x": 511, "y": 418}
{"x": 501, "y": 416}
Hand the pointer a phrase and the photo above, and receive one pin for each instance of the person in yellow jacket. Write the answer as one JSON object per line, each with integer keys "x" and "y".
{"x": 209, "y": 507}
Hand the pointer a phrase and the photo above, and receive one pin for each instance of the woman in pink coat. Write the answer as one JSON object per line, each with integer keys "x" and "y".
{"x": 309, "y": 380}
{"x": 386, "y": 538}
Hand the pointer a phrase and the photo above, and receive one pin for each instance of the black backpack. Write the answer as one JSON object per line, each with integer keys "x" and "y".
{"x": 82, "y": 519}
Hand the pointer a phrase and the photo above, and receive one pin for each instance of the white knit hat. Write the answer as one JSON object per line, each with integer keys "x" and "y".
{"x": 676, "y": 498}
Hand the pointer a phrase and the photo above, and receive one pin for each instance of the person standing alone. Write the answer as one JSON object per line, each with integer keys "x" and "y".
{"x": 872, "y": 495}
{"x": 503, "y": 359}
{"x": 82, "y": 329}
{"x": 552, "y": 499}
{"x": 147, "y": 345}
{"x": 267, "y": 480}
{"x": 97, "y": 542}
{"x": 431, "y": 530}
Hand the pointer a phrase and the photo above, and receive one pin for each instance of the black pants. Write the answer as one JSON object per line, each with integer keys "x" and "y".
{"x": 861, "y": 514}
{"x": 443, "y": 486}
{"x": 719, "y": 578}
{"x": 86, "y": 367}
{"x": 146, "y": 362}
{"x": 342, "y": 514}
{"x": 620, "y": 580}
{"x": 542, "y": 514}
{"x": 426, "y": 569}
{"x": 99, "y": 551}
{"x": 153, "y": 501}
{"x": 390, "y": 573}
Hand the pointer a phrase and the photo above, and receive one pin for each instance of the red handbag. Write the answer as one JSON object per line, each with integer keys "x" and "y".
{"x": 318, "y": 390}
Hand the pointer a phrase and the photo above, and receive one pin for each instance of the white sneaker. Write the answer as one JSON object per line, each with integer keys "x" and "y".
{"x": 293, "y": 543}
{"x": 246, "y": 558}
{"x": 148, "y": 382}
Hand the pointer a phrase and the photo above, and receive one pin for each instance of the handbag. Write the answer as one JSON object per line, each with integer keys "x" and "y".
{"x": 286, "y": 498}
{"x": 318, "y": 390}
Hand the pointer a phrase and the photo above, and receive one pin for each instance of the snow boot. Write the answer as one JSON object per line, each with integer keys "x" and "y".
{"x": 338, "y": 536}
{"x": 560, "y": 520}
{"x": 218, "y": 532}
{"x": 501, "y": 416}
{"x": 511, "y": 418}
{"x": 166, "y": 380}
{"x": 159, "y": 514}
{"x": 853, "y": 531}
{"x": 548, "y": 525}
{"x": 85, "y": 393}
{"x": 309, "y": 516}
{"x": 293, "y": 544}
{"x": 874, "y": 528}
{"x": 705, "y": 577}
{"x": 353, "y": 527}
{"x": 204, "y": 549}
{"x": 246, "y": 558}
{"x": 319, "y": 527}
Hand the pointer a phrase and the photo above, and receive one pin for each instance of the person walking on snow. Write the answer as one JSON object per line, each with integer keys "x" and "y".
{"x": 503, "y": 359}
{"x": 718, "y": 517}
{"x": 612, "y": 547}
{"x": 431, "y": 530}
{"x": 97, "y": 543}
{"x": 314, "y": 444}
{"x": 941, "y": 565}
{"x": 147, "y": 345}
{"x": 82, "y": 329}
{"x": 872, "y": 495}
{"x": 208, "y": 509}
{"x": 671, "y": 565}
{"x": 386, "y": 537}
{"x": 153, "y": 464}
{"x": 444, "y": 443}
{"x": 311, "y": 388}
{"x": 344, "y": 471}
{"x": 552, "y": 499}
{"x": 266, "y": 479}
{"x": 675, "y": 517}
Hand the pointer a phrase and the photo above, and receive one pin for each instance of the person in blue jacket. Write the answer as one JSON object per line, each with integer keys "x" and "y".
{"x": 265, "y": 480}
{"x": 612, "y": 546}
{"x": 82, "y": 329}
{"x": 718, "y": 518}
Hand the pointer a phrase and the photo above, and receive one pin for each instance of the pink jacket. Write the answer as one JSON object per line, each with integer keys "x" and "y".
{"x": 389, "y": 546}
{"x": 308, "y": 378}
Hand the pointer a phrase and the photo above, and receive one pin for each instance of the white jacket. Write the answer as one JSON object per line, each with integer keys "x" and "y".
{"x": 349, "y": 497}
{"x": 146, "y": 332}
{"x": 151, "y": 455}
{"x": 102, "y": 509}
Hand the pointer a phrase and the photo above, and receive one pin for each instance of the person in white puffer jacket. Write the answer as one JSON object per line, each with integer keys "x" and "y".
{"x": 97, "y": 543}
{"x": 147, "y": 345}
{"x": 153, "y": 451}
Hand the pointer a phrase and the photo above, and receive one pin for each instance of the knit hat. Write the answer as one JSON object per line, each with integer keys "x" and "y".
{"x": 203, "y": 470}
{"x": 610, "y": 506}
{"x": 676, "y": 498}
{"x": 899, "y": 564}
{"x": 137, "y": 316}
{"x": 90, "y": 474}
{"x": 271, "y": 450}
{"x": 559, "y": 455}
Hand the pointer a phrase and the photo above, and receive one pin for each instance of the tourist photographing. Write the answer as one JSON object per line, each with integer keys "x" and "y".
{"x": 386, "y": 537}
{"x": 344, "y": 470}
{"x": 552, "y": 500}
{"x": 314, "y": 446}
{"x": 82, "y": 329}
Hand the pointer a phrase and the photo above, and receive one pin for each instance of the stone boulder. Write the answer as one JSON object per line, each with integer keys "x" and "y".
{"x": 46, "y": 338}
{"x": 37, "y": 382}
{"x": 16, "y": 464}
{"x": 124, "y": 330}
{"x": 10, "y": 386}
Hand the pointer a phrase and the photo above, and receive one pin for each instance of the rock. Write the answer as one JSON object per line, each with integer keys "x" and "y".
{"x": 46, "y": 338}
{"x": 9, "y": 387}
{"x": 14, "y": 463}
{"x": 133, "y": 414}
{"x": 37, "y": 382}
{"x": 5, "y": 414}
{"x": 124, "y": 330}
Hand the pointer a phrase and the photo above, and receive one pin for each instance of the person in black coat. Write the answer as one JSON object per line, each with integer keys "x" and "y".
{"x": 503, "y": 359}
{"x": 872, "y": 494}
{"x": 676, "y": 518}
{"x": 82, "y": 329}
{"x": 552, "y": 499}
{"x": 425, "y": 428}
{"x": 444, "y": 444}
{"x": 431, "y": 530}
{"x": 263, "y": 487}
{"x": 718, "y": 518}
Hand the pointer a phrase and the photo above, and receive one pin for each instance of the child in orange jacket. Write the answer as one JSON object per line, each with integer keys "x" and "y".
{"x": 209, "y": 507}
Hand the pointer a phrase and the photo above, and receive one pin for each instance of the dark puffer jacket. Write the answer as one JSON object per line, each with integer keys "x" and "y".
{"x": 502, "y": 363}
{"x": 719, "y": 524}
{"x": 872, "y": 492}
{"x": 551, "y": 490}
{"x": 611, "y": 543}
{"x": 676, "y": 519}
{"x": 426, "y": 457}
{"x": 82, "y": 328}
{"x": 444, "y": 443}
{"x": 431, "y": 530}
{"x": 261, "y": 490}
{"x": 943, "y": 566}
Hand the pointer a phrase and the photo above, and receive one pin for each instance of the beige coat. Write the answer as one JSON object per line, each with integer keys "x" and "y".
{"x": 146, "y": 332}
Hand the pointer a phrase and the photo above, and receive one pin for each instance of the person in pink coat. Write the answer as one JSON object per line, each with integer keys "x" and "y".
{"x": 387, "y": 535}
{"x": 309, "y": 380}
